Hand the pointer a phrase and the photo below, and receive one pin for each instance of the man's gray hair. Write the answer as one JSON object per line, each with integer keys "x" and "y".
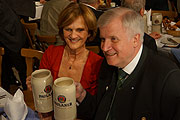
{"x": 132, "y": 22}
{"x": 136, "y": 5}
{"x": 88, "y": 1}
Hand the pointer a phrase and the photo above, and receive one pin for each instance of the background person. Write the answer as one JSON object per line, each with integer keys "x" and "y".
{"x": 149, "y": 40}
{"x": 23, "y": 8}
{"x": 149, "y": 88}
{"x": 49, "y": 18}
{"x": 157, "y": 5}
{"x": 13, "y": 38}
{"x": 93, "y": 5}
{"x": 139, "y": 6}
{"x": 77, "y": 24}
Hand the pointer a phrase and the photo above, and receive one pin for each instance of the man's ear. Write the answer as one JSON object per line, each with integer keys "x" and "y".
{"x": 136, "y": 40}
{"x": 141, "y": 11}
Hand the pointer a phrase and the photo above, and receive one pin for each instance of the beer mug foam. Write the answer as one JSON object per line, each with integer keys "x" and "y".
{"x": 64, "y": 98}
{"x": 42, "y": 82}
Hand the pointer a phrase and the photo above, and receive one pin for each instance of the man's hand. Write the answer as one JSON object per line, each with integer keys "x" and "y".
{"x": 155, "y": 35}
{"x": 80, "y": 92}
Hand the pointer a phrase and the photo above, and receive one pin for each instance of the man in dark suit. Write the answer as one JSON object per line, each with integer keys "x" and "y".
{"x": 13, "y": 38}
{"x": 93, "y": 5}
{"x": 23, "y": 8}
{"x": 139, "y": 6}
{"x": 49, "y": 18}
{"x": 149, "y": 40}
{"x": 149, "y": 89}
{"x": 157, "y": 5}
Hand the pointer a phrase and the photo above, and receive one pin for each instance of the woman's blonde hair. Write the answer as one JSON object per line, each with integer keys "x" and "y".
{"x": 72, "y": 12}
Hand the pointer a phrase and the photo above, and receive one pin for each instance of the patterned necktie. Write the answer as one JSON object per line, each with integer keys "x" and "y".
{"x": 121, "y": 77}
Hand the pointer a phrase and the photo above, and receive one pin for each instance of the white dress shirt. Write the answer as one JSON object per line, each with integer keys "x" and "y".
{"x": 131, "y": 66}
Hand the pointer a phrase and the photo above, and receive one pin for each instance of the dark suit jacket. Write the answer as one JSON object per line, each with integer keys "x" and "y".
{"x": 96, "y": 41}
{"x": 23, "y": 7}
{"x": 157, "y": 5}
{"x": 97, "y": 13}
{"x": 152, "y": 91}
{"x": 150, "y": 42}
{"x": 12, "y": 33}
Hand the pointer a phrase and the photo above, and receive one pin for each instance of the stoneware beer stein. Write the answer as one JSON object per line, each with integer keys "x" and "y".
{"x": 42, "y": 82}
{"x": 157, "y": 22}
{"x": 64, "y": 98}
{"x": 113, "y": 4}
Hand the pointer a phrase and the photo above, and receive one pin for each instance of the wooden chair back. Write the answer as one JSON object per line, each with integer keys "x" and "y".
{"x": 47, "y": 39}
{"x": 95, "y": 49}
{"x": 1, "y": 54}
{"x": 29, "y": 55}
{"x": 30, "y": 29}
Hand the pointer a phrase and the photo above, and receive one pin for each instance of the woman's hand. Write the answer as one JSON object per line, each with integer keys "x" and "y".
{"x": 28, "y": 83}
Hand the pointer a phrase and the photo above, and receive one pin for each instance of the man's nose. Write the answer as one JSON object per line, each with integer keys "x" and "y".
{"x": 105, "y": 45}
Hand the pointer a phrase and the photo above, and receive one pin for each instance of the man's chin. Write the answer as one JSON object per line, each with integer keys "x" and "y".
{"x": 110, "y": 62}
